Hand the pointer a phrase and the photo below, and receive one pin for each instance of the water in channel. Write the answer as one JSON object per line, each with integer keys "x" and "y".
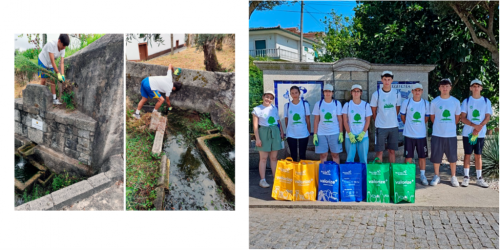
{"x": 223, "y": 151}
{"x": 23, "y": 169}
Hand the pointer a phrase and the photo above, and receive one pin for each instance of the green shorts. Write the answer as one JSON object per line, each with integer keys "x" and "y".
{"x": 270, "y": 138}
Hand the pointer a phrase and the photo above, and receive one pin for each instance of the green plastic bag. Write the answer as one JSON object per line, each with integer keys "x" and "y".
{"x": 403, "y": 182}
{"x": 378, "y": 182}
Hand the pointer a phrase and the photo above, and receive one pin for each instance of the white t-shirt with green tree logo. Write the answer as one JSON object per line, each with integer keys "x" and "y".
{"x": 268, "y": 116}
{"x": 297, "y": 126}
{"x": 476, "y": 109}
{"x": 444, "y": 111}
{"x": 387, "y": 116}
{"x": 357, "y": 114}
{"x": 415, "y": 113}
{"x": 328, "y": 121}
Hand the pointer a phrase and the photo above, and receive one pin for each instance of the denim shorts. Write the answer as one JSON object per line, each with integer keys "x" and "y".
{"x": 326, "y": 142}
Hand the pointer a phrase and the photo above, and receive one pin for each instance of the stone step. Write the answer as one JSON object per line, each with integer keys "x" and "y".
{"x": 158, "y": 124}
{"x": 158, "y": 144}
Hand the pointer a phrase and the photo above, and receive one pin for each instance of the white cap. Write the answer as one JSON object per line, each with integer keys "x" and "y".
{"x": 269, "y": 92}
{"x": 387, "y": 73}
{"x": 476, "y": 81}
{"x": 417, "y": 86}
{"x": 328, "y": 87}
{"x": 356, "y": 86}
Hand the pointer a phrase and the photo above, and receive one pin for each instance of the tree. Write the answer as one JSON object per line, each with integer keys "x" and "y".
{"x": 446, "y": 114}
{"x": 207, "y": 43}
{"x": 328, "y": 117}
{"x": 416, "y": 116}
{"x": 148, "y": 38}
{"x": 475, "y": 114}
{"x": 34, "y": 39}
{"x": 296, "y": 118}
{"x": 357, "y": 118}
{"x": 219, "y": 44}
{"x": 266, "y": 5}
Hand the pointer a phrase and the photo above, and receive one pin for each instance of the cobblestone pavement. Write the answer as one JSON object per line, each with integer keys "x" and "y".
{"x": 389, "y": 229}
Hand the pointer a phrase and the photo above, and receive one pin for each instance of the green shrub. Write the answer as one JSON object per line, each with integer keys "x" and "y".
{"x": 490, "y": 156}
{"x": 68, "y": 99}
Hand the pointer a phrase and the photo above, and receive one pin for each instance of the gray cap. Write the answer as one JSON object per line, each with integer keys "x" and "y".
{"x": 387, "y": 73}
{"x": 417, "y": 86}
{"x": 269, "y": 92}
{"x": 328, "y": 87}
{"x": 476, "y": 81}
{"x": 356, "y": 86}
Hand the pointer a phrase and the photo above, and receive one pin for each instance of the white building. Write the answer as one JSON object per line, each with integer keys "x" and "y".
{"x": 138, "y": 50}
{"x": 282, "y": 44}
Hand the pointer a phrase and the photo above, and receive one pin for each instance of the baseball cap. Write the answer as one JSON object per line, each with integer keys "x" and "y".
{"x": 269, "y": 92}
{"x": 356, "y": 86}
{"x": 417, "y": 86}
{"x": 445, "y": 81}
{"x": 328, "y": 87}
{"x": 387, "y": 73}
{"x": 476, "y": 81}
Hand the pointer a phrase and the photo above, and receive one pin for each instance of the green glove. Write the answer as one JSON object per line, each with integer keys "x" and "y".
{"x": 352, "y": 138}
{"x": 63, "y": 78}
{"x": 60, "y": 77}
{"x": 361, "y": 136}
{"x": 177, "y": 71}
{"x": 169, "y": 108}
{"x": 473, "y": 139}
{"x": 341, "y": 137}
{"x": 315, "y": 140}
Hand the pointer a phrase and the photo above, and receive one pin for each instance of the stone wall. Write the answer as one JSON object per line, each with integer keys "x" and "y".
{"x": 203, "y": 91}
{"x": 97, "y": 72}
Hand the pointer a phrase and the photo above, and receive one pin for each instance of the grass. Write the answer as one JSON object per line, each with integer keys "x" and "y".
{"x": 192, "y": 59}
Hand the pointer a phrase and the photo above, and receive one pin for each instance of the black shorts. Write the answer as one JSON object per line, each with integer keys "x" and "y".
{"x": 478, "y": 148}
{"x": 389, "y": 134}
{"x": 443, "y": 145}
{"x": 413, "y": 143}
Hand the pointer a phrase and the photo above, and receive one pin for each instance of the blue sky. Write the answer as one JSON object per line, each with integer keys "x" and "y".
{"x": 289, "y": 15}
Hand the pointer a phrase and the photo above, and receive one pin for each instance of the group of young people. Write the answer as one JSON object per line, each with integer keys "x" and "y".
{"x": 332, "y": 120}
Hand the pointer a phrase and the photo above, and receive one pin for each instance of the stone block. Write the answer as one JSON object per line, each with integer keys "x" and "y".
{"x": 32, "y": 110}
{"x": 158, "y": 143}
{"x": 23, "y": 207}
{"x": 60, "y": 119}
{"x": 83, "y": 157}
{"x": 357, "y": 75}
{"x": 75, "y": 131}
{"x": 18, "y": 128}
{"x": 17, "y": 115}
{"x": 18, "y": 103}
{"x": 114, "y": 174}
{"x": 71, "y": 143}
{"x": 82, "y": 150}
{"x": 69, "y": 131}
{"x": 40, "y": 204}
{"x": 71, "y": 153}
{"x": 35, "y": 135}
{"x": 42, "y": 113}
{"x": 84, "y": 142}
{"x": 346, "y": 85}
{"x": 84, "y": 133}
{"x": 100, "y": 182}
{"x": 61, "y": 127}
{"x": 343, "y": 75}
{"x": 50, "y": 115}
{"x": 84, "y": 122}
{"x": 155, "y": 121}
{"x": 339, "y": 95}
{"x": 27, "y": 121}
{"x": 47, "y": 138}
{"x": 38, "y": 96}
{"x": 72, "y": 194}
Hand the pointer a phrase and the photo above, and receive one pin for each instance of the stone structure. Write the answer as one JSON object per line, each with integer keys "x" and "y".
{"x": 203, "y": 91}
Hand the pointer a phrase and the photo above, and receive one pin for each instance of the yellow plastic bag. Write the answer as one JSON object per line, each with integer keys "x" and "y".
{"x": 314, "y": 164}
{"x": 283, "y": 180}
{"x": 304, "y": 182}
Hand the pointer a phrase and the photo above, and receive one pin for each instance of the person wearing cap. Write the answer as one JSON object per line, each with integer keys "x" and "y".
{"x": 385, "y": 103}
{"x": 415, "y": 114}
{"x": 328, "y": 132}
{"x": 299, "y": 124}
{"x": 268, "y": 134}
{"x": 356, "y": 117}
{"x": 445, "y": 114}
{"x": 476, "y": 113}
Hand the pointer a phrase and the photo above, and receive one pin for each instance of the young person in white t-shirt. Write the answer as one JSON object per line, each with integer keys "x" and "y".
{"x": 328, "y": 128}
{"x": 476, "y": 113}
{"x": 356, "y": 116}
{"x": 47, "y": 60}
{"x": 152, "y": 86}
{"x": 445, "y": 115}
{"x": 385, "y": 103}
{"x": 415, "y": 114}
{"x": 298, "y": 124}
{"x": 268, "y": 134}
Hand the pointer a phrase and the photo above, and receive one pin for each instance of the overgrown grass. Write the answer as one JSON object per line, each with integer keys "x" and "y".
{"x": 59, "y": 181}
{"x": 68, "y": 99}
{"x": 490, "y": 156}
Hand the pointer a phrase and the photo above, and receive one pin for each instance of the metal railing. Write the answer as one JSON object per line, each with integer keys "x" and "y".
{"x": 279, "y": 53}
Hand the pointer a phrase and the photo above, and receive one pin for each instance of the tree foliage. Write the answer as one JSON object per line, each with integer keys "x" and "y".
{"x": 148, "y": 38}
{"x": 265, "y": 5}
{"x": 296, "y": 117}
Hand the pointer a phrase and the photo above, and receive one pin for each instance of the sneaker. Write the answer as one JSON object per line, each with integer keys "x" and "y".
{"x": 465, "y": 182}
{"x": 435, "y": 180}
{"x": 136, "y": 116}
{"x": 263, "y": 183}
{"x": 480, "y": 182}
{"x": 454, "y": 181}
{"x": 423, "y": 179}
{"x": 56, "y": 102}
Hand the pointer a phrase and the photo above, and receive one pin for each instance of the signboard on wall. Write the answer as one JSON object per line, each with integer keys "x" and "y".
{"x": 310, "y": 91}
{"x": 405, "y": 90}
{"x": 37, "y": 124}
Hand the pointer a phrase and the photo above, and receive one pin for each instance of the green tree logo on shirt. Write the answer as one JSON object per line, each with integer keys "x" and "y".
{"x": 416, "y": 116}
{"x": 476, "y": 115}
{"x": 328, "y": 116}
{"x": 446, "y": 114}
{"x": 357, "y": 118}
{"x": 296, "y": 118}
{"x": 271, "y": 120}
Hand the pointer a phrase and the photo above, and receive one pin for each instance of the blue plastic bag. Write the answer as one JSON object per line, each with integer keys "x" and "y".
{"x": 352, "y": 181}
{"x": 328, "y": 184}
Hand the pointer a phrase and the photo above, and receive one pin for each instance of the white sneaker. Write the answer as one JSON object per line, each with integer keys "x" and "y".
{"x": 435, "y": 180}
{"x": 480, "y": 182}
{"x": 454, "y": 181}
{"x": 136, "y": 116}
{"x": 465, "y": 182}
{"x": 263, "y": 183}
{"x": 423, "y": 179}
{"x": 56, "y": 102}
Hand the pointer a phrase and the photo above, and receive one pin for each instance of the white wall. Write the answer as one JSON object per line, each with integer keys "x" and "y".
{"x": 287, "y": 43}
{"x": 270, "y": 41}
{"x": 133, "y": 47}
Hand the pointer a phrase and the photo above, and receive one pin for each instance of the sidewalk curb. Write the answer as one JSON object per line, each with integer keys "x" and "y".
{"x": 383, "y": 207}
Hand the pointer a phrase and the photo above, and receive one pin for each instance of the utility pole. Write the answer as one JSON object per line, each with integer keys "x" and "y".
{"x": 301, "y": 29}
